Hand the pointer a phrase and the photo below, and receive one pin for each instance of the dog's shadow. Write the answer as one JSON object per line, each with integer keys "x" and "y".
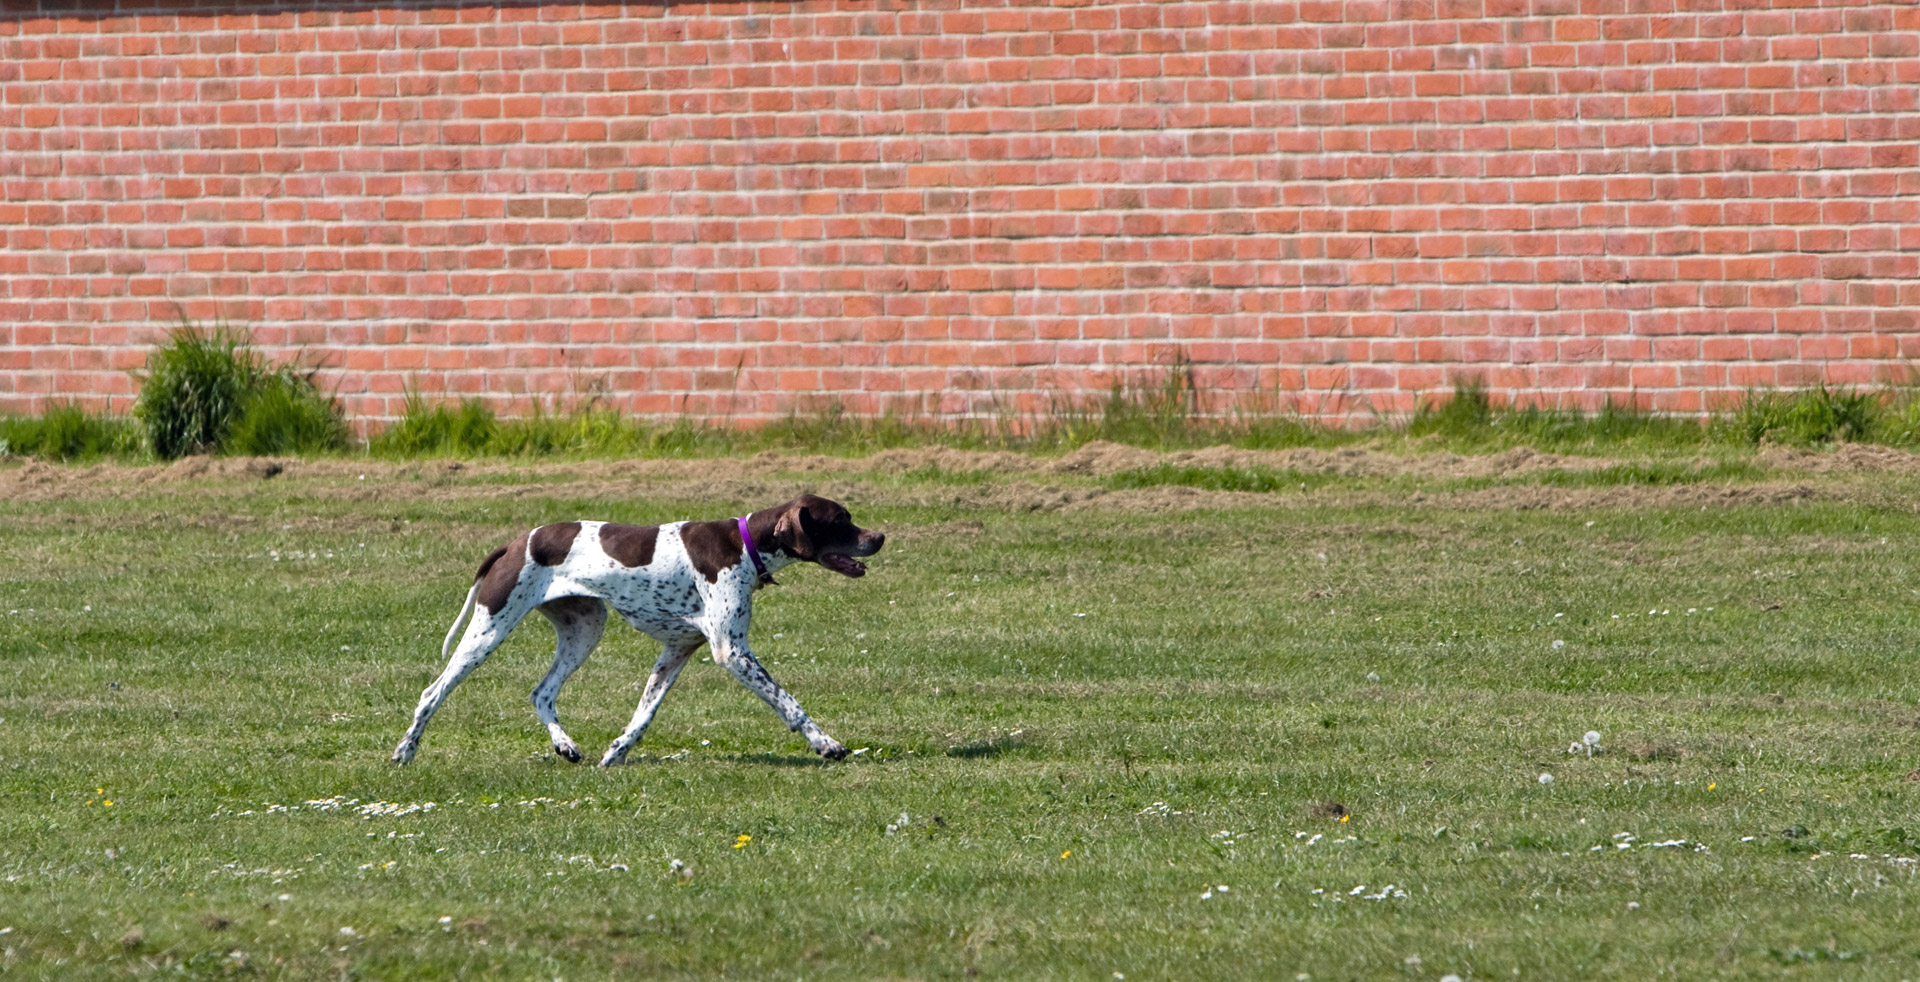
{"x": 768, "y": 758}
{"x": 987, "y": 747}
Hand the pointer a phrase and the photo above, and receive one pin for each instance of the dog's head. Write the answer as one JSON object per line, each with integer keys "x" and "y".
{"x": 813, "y": 529}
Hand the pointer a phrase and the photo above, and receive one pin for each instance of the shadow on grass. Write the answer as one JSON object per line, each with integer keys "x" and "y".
{"x": 769, "y": 758}
{"x": 991, "y": 747}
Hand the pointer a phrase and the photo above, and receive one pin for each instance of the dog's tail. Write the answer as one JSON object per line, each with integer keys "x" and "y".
{"x": 447, "y": 645}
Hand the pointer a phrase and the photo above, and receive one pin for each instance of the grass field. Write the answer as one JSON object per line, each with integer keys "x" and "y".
{"x": 1160, "y": 717}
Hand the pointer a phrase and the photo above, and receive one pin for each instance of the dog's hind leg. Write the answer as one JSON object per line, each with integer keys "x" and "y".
{"x": 672, "y": 660}
{"x": 577, "y": 623}
{"x": 484, "y": 634}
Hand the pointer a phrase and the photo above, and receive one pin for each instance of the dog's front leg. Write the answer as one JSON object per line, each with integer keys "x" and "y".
{"x": 730, "y": 650}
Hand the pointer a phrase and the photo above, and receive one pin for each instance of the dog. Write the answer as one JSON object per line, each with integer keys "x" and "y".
{"x": 684, "y": 584}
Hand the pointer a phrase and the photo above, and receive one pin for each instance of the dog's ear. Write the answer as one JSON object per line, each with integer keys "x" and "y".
{"x": 791, "y": 535}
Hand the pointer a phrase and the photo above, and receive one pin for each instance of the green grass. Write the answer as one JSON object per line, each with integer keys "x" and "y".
{"x": 1269, "y": 480}
{"x": 1817, "y": 415}
{"x": 69, "y": 432}
{"x": 199, "y": 653}
{"x": 194, "y": 388}
{"x": 1256, "y": 479}
{"x": 211, "y": 392}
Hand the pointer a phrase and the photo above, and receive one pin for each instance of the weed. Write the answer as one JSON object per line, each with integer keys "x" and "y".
{"x": 1807, "y": 416}
{"x": 68, "y": 432}
{"x": 438, "y": 430}
{"x": 288, "y": 414}
{"x": 1468, "y": 414}
{"x": 194, "y": 388}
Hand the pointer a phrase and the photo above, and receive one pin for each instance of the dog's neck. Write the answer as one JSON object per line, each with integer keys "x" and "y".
{"x": 767, "y": 557}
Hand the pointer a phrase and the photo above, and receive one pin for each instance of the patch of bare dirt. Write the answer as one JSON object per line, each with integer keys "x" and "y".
{"x": 1847, "y": 458}
{"x": 1099, "y": 459}
{"x": 1016, "y": 482}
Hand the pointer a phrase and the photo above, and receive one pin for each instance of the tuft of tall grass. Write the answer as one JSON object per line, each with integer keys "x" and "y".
{"x": 211, "y": 392}
{"x": 1470, "y": 421}
{"x": 1808, "y": 416}
{"x": 68, "y": 432}
{"x": 1467, "y": 415}
{"x": 288, "y": 414}
{"x": 195, "y": 387}
{"x": 428, "y": 431}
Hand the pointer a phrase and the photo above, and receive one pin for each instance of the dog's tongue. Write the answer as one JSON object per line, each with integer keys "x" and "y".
{"x": 844, "y": 565}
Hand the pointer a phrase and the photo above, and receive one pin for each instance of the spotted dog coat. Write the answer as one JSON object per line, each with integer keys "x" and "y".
{"x": 685, "y": 584}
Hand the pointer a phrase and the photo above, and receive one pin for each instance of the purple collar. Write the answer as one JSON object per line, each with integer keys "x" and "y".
{"x": 746, "y": 538}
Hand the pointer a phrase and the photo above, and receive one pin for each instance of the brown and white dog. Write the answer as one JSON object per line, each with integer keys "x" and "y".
{"x": 684, "y": 584}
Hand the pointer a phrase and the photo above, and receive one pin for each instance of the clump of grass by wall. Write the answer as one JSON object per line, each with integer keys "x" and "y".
{"x": 1469, "y": 420}
{"x": 1817, "y": 415}
{"x": 437, "y": 430}
{"x": 211, "y": 392}
{"x": 287, "y": 414}
{"x": 68, "y": 432}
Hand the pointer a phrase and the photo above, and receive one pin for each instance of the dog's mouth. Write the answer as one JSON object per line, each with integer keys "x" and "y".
{"x": 844, "y": 565}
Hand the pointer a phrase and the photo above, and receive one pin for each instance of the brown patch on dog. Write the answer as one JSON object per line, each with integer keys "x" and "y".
{"x": 713, "y": 547}
{"x": 629, "y": 545}
{"x": 487, "y": 563}
{"x": 501, "y": 573}
{"x": 551, "y": 543}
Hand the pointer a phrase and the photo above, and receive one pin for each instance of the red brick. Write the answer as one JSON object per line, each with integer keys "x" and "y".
{"x": 1575, "y": 206}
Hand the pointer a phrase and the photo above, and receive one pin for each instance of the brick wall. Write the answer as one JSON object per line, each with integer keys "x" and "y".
{"x": 949, "y": 206}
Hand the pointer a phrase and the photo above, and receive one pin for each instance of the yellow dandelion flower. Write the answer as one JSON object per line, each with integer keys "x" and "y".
{"x": 109, "y": 802}
{"x": 99, "y": 790}
{"x": 1710, "y": 787}
{"x": 1066, "y": 854}
{"x": 741, "y": 842}
{"x": 1343, "y": 819}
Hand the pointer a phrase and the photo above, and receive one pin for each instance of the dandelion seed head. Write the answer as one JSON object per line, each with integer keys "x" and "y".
{"x": 1546, "y": 779}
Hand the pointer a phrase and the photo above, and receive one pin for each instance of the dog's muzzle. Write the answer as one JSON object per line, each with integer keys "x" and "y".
{"x": 845, "y": 564}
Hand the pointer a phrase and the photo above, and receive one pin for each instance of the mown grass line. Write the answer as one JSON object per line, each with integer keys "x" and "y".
{"x": 1085, "y": 700}
{"x": 1652, "y": 473}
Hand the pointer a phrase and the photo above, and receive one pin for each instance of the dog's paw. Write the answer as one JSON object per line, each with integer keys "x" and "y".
{"x": 833, "y": 751}
{"x": 568, "y": 751}
{"x": 402, "y": 756}
{"x": 612, "y": 759}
